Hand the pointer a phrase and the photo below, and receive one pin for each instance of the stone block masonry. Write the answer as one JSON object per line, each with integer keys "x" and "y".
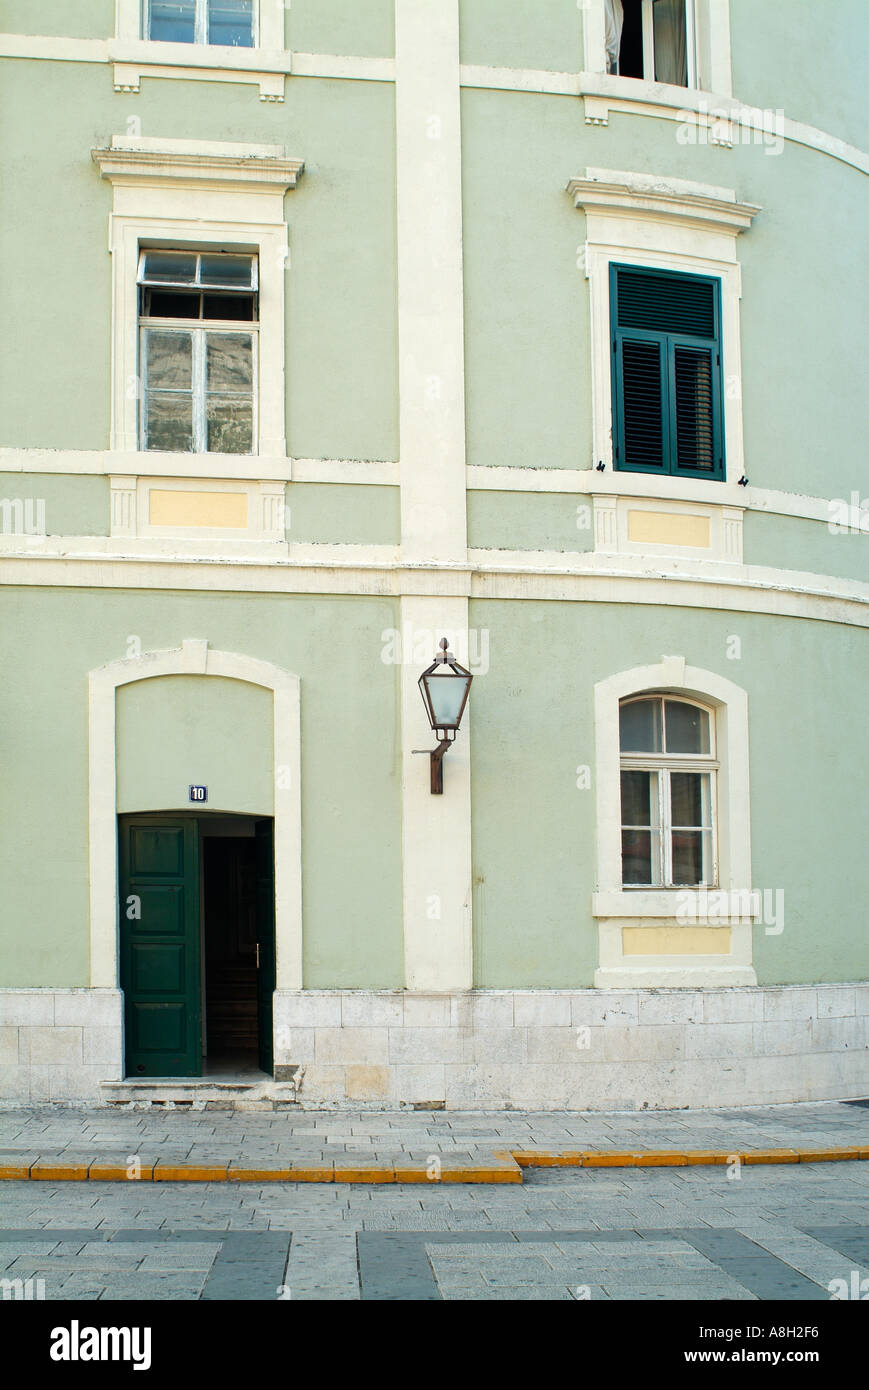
{"x": 552, "y": 1050}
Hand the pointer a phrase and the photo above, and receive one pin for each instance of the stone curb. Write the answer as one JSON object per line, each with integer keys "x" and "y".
{"x": 504, "y": 1166}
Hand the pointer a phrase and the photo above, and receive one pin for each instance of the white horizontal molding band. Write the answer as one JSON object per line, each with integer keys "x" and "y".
{"x": 606, "y": 93}
{"x": 220, "y": 61}
{"x": 341, "y": 570}
{"x": 588, "y": 481}
{"x": 381, "y": 472}
{"x": 386, "y": 473}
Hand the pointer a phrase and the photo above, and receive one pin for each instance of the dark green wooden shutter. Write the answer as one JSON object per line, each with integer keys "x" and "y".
{"x": 667, "y": 397}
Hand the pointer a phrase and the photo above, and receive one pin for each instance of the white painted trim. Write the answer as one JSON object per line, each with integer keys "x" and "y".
{"x": 430, "y": 285}
{"x": 617, "y": 907}
{"x": 98, "y": 562}
{"x": 130, "y": 510}
{"x": 436, "y": 830}
{"x": 197, "y": 193}
{"x": 193, "y": 658}
{"x": 612, "y": 515}
{"x": 386, "y": 473}
{"x": 672, "y": 226}
{"x": 341, "y": 66}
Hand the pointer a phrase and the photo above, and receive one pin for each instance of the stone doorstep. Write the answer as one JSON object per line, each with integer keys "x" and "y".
{"x": 232, "y": 1095}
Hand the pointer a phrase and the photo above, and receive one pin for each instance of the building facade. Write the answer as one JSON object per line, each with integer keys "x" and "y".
{"x": 342, "y": 326}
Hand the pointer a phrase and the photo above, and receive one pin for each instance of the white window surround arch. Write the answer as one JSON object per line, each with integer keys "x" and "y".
{"x": 616, "y": 907}
{"x": 193, "y": 657}
{"x": 198, "y": 194}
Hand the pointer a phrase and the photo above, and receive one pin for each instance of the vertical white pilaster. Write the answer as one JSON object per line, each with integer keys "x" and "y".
{"x": 430, "y": 314}
{"x": 436, "y": 830}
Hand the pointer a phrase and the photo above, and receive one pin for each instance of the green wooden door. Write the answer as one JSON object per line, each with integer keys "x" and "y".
{"x": 159, "y": 938}
{"x": 265, "y": 929}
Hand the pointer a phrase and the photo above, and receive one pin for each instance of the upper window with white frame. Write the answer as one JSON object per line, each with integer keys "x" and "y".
{"x": 231, "y": 23}
{"x": 654, "y": 40}
{"x": 198, "y": 364}
{"x": 668, "y": 793}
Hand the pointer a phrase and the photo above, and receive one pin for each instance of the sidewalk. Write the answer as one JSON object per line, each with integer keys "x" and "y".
{"x": 52, "y": 1144}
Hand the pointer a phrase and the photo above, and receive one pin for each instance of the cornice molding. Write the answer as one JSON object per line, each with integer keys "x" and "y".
{"x": 138, "y": 160}
{"x": 663, "y": 200}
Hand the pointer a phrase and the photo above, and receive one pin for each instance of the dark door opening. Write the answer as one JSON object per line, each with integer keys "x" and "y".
{"x": 231, "y": 1027}
{"x": 197, "y": 926}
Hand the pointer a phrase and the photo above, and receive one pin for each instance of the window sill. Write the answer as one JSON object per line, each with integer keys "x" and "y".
{"x": 683, "y": 904}
{"x": 708, "y": 111}
{"x": 265, "y": 68}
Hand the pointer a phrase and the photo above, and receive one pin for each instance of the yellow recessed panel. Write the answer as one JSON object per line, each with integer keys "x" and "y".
{"x": 217, "y": 509}
{"x": 676, "y": 941}
{"x": 669, "y": 528}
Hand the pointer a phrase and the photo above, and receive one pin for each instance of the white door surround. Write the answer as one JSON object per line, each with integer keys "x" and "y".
{"x": 193, "y": 658}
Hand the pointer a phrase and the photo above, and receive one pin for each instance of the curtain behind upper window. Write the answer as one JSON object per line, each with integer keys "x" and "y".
{"x": 615, "y": 18}
{"x": 671, "y": 47}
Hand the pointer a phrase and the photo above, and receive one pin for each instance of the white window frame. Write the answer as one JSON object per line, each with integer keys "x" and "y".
{"x": 662, "y": 765}
{"x": 708, "y": 46}
{"x": 662, "y": 223}
{"x": 132, "y": 23}
{"x": 199, "y": 330}
{"x": 648, "y": 14}
{"x": 177, "y": 194}
{"x": 616, "y": 906}
{"x": 201, "y": 24}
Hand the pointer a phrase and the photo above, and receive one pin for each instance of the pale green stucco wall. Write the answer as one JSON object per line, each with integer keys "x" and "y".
{"x": 530, "y": 521}
{"x": 50, "y": 639}
{"x": 344, "y": 513}
{"x": 341, "y": 354}
{"x": 176, "y": 731}
{"x": 526, "y": 300}
{"x": 534, "y": 830}
{"x": 364, "y": 28}
{"x": 75, "y": 19}
{"x": 521, "y": 33}
{"x": 790, "y": 542}
{"x": 74, "y": 506}
{"x": 804, "y": 58}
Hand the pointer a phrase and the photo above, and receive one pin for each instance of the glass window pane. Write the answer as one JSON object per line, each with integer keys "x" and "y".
{"x": 671, "y": 49}
{"x": 169, "y": 360}
{"x": 231, "y": 22}
{"x": 169, "y": 267}
{"x": 228, "y": 306}
{"x": 639, "y": 847}
{"x": 229, "y": 421}
{"x": 173, "y": 21}
{"x": 687, "y": 802}
{"x": 171, "y": 304}
{"x": 686, "y": 728}
{"x": 169, "y": 421}
{"x": 229, "y": 362}
{"x": 636, "y": 798}
{"x": 640, "y": 726}
{"x": 231, "y": 272}
{"x": 692, "y": 856}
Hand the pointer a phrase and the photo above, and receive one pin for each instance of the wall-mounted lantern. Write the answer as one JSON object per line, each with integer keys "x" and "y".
{"x": 444, "y": 687}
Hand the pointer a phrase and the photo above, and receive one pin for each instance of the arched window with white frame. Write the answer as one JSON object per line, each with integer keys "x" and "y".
{"x": 668, "y": 788}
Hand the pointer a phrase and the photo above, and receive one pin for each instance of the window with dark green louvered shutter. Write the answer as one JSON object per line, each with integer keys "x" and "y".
{"x": 667, "y": 396}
